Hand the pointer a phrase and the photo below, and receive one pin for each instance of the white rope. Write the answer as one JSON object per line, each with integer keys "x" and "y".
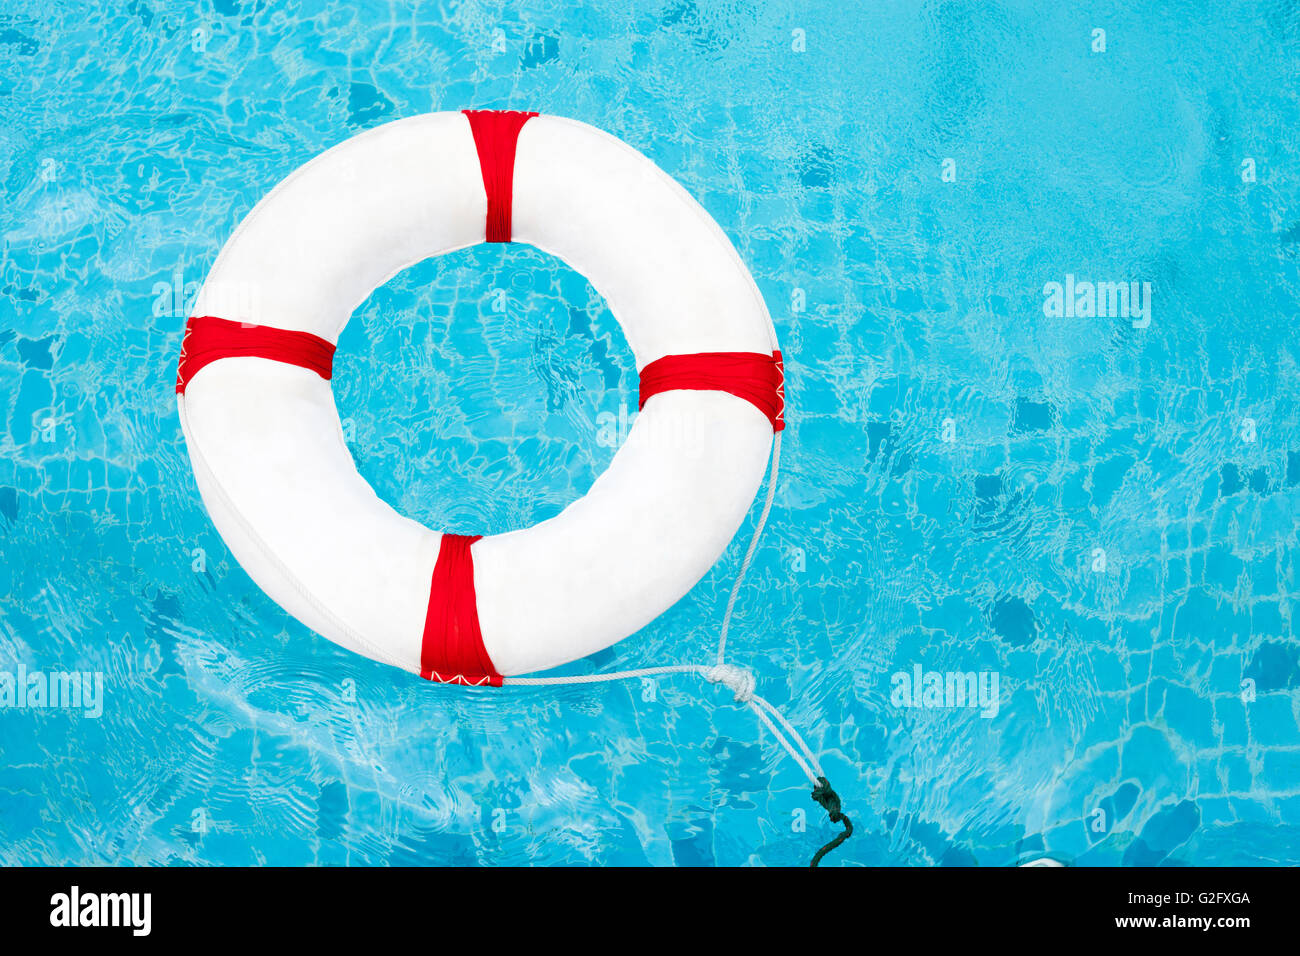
{"x": 739, "y": 680}
{"x": 602, "y": 678}
{"x": 757, "y": 704}
{"x": 794, "y": 734}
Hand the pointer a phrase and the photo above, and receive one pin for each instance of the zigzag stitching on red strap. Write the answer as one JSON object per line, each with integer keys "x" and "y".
{"x": 440, "y": 678}
{"x": 778, "y": 423}
{"x": 496, "y": 136}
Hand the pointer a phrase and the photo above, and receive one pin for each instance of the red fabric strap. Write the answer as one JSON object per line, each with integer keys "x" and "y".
{"x": 208, "y": 338}
{"x": 758, "y": 379}
{"x": 453, "y": 651}
{"x": 496, "y": 133}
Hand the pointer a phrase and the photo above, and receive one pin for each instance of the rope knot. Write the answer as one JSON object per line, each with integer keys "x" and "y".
{"x": 828, "y": 798}
{"x": 738, "y": 680}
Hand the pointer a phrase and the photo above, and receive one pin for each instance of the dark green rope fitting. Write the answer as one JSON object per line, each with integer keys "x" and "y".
{"x": 830, "y": 802}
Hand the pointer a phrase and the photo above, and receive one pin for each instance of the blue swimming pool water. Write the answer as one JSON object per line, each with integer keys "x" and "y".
{"x": 1101, "y": 511}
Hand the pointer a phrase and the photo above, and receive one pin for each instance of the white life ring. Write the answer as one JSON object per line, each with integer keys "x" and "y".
{"x": 267, "y": 447}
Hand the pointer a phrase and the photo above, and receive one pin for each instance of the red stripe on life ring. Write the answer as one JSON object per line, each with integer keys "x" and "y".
{"x": 208, "y": 338}
{"x": 496, "y": 134}
{"x": 452, "y": 651}
{"x": 758, "y": 379}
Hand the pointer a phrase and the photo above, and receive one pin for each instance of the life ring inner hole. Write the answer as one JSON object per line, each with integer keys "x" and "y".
{"x": 485, "y": 389}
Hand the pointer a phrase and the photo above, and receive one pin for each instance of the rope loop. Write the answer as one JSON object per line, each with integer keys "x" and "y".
{"x": 738, "y": 680}
{"x": 741, "y": 682}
